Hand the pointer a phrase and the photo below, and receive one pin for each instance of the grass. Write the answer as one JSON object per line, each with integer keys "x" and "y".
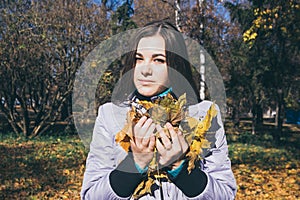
{"x": 264, "y": 169}
{"x": 52, "y": 167}
{"x": 44, "y": 168}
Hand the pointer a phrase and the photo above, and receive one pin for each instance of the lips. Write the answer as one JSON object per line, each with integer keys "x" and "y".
{"x": 145, "y": 82}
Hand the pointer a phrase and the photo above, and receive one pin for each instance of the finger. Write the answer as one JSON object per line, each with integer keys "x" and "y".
{"x": 137, "y": 138}
{"x": 160, "y": 147}
{"x": 152, "y": 143}
{"x": 158, "y": 128}
{"x": 141, "y": 121}
{"x": 144, "y": 128}
{"x": 147, "y": 124}
{"x": 133, "y": 145}
{"x": 149, "y": 133}
{"x": 173, "y": 133}
{"x": 165, "y": 139}
{"x": 175, "y": 140}
{"x": 140, "y": 128}
{"x": 183, "y": 142}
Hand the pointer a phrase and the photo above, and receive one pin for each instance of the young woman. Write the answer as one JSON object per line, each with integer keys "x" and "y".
{"x": 157, "y": 66}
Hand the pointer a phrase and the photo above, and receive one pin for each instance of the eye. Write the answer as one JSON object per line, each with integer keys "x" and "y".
{"x": 137, "y": 58}
{"x": 160, "y": 60}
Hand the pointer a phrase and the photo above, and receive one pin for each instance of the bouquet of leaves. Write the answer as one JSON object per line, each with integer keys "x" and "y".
{"x": 161, "y": 111}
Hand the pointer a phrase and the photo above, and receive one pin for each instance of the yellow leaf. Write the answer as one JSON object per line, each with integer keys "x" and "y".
{"x": 66, "y": 172}
{"x": 283, "y": 29}
{"x": 143, "y": 188}
{"x": 192, "y": 122}
{"x": 182, "y": 100}
{"x": 124, "y": 136}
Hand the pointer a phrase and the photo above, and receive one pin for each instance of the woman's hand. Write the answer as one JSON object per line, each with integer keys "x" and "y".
{"x": 143, "y": 144}
{"x": 170, "y": 149}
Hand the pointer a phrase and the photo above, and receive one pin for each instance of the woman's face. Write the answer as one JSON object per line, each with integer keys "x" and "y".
{"x": 150, "y": 72}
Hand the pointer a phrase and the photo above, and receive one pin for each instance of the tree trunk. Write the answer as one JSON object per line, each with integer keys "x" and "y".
{"x": 278, "y": 119}
{"x": 253, "y": 126}
{"x": 177, "y": 15}
{"x": 13, "y": 125}
{"x": 235, "y": 117}
{"x": 259, "y": 115}
{"x": 66, "y": 109}
{"x": 25, "y": 119}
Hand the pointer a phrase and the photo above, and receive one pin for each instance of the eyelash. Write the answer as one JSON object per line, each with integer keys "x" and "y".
{"x": 160, "y": 60}
{"x": 156, "y": 60}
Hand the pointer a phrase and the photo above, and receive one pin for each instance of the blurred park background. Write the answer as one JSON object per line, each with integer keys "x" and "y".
{"x": 255, "y": 45}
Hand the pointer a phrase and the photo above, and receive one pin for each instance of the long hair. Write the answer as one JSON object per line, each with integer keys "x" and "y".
{"x": 176, "y": 55}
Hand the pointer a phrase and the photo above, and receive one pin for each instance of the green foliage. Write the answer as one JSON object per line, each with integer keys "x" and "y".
{"x": 292, "y": 101}
{"x": 269, "y": 74}
{"x": 249, "y": 153}
{"x": 107, "y": 82}
{"x": 121, "y": 19}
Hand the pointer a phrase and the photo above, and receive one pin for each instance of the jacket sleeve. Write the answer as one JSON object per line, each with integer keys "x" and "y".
{"x": 221, "y": 183}
{"x": 101, "y": 161}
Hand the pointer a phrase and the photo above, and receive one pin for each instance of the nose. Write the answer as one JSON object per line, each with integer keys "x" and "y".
{"x": 146, "y": 69}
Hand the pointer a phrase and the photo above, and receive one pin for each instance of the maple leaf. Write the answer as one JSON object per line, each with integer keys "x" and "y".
{"x": 166, "y": 109}
{"x": 124, "y": 136}
{"x": 159, "y": 114}
{"x": 199, "y": 141}
{"x": 143, "y": 188}
{"x": 161, "y": 111}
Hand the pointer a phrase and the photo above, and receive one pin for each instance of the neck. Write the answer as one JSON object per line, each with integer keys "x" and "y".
{"x": 154, "y": 97}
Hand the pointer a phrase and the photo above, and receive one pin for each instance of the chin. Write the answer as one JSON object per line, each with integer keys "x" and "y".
{"x": 147, "y": 93}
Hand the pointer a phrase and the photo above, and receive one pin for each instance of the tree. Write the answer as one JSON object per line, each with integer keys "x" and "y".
{"x": 147, "y": 11}
{"x": 42, "y": 44}
{"x": 207, "y": 22}
{"x": 202, "y": 20}
{"x": 122, "y": 18}
{"x": 272, "y": 36}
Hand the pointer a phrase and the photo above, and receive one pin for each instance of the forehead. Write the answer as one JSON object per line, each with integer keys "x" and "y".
{"x": 153, "y": 43}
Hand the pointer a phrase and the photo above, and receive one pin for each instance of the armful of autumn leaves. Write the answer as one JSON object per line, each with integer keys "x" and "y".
{"x": 163, "y": 110}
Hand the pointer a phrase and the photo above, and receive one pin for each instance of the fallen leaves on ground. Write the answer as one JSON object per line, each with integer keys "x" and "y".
{"x": 53, "y": 167}
{"x": 262, "y": 168}
{"x": 256, "y": 182}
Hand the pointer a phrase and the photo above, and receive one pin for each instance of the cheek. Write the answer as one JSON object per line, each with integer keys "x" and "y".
{"x": 164, "y": 75}
{"x": 162, "y": 80}
{"x": 135, "y": 73}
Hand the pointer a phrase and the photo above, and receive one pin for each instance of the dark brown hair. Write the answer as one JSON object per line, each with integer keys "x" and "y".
{"x": 176, "y": 53}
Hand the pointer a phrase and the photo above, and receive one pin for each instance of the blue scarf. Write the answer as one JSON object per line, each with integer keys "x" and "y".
{"x": 137, "y": 96}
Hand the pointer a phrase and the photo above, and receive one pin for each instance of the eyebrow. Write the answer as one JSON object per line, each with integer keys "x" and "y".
{"x": 153, "y": 56}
